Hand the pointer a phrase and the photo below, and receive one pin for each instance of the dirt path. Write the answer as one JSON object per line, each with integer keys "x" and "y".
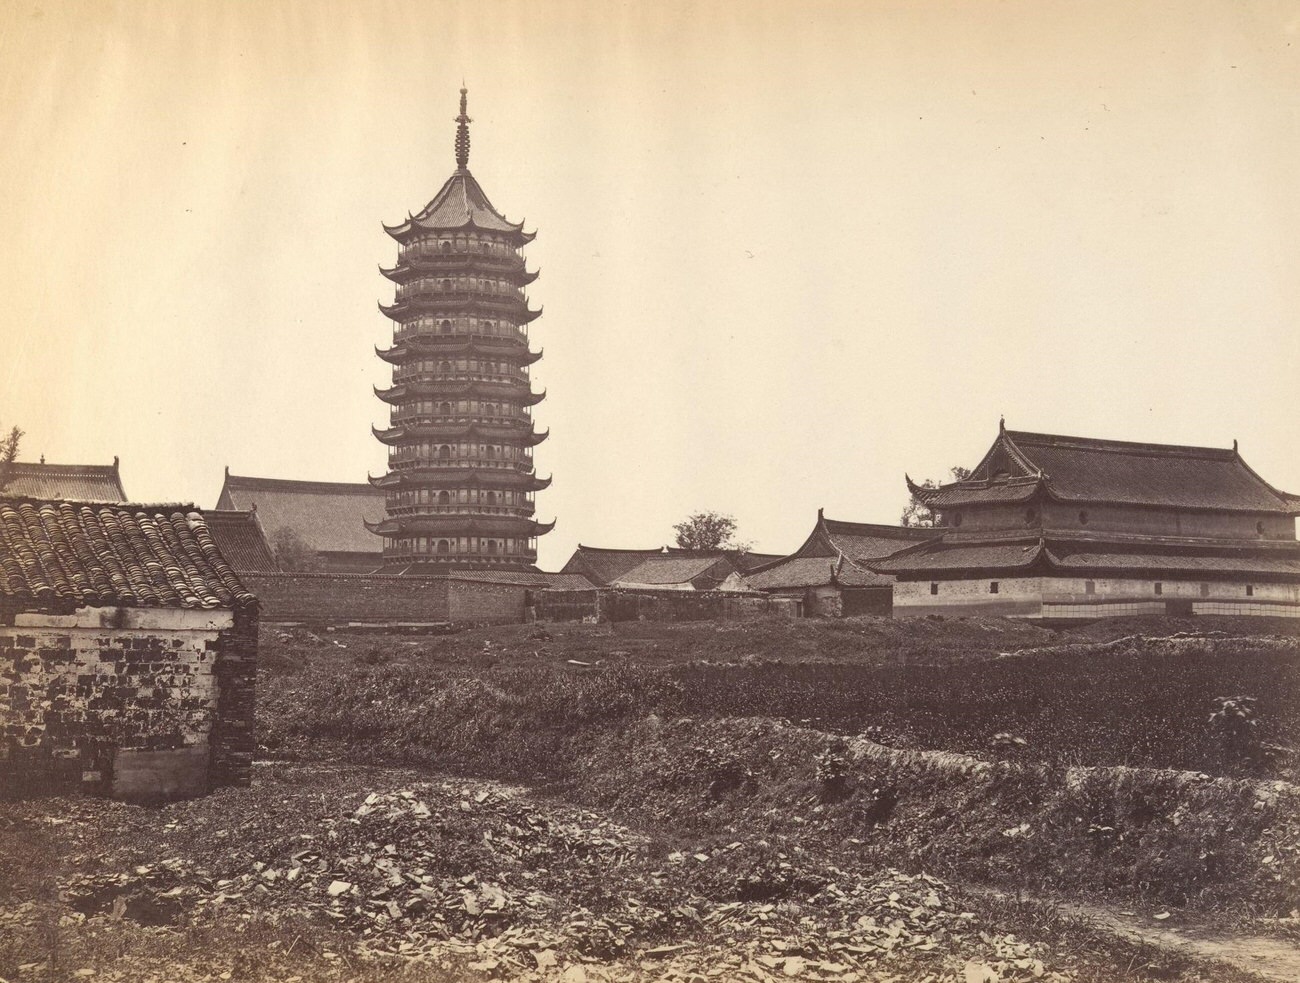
{"x": 1267, "y": 958}
{"x": 1273, "y": 959}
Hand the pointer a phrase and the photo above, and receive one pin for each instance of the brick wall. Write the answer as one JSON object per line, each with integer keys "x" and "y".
{"x": 76, "y": 689}
{"x": 480, "y": 602}
{"x": 341, "y": 597}
{"x": 665, "y": 605}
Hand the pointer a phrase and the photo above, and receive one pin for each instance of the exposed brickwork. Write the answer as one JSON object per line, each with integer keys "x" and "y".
{"x": 77, "y": 688}
{"x": 480, "y": 602}
{"x": 349, "y": 597}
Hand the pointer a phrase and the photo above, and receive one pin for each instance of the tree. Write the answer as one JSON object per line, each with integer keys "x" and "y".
{"x": 8, "y": 453}
{"x": 918, "y": 513}
{"x": 709, "y": 531}
{"x": 292, "y": 554}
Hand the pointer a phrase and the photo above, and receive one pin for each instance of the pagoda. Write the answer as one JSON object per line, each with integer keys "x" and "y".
{"x": 460, "y": 482}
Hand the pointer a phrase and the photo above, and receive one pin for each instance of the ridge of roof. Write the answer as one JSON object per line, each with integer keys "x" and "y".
{"x": 883, "y": 530}
{"x": 247, "y": 482}
{"x": 616, "y": 549}
{"x": 1118, "y": 446}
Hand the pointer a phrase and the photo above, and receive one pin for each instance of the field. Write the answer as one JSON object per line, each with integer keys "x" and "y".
{"x": 861, "y": 800}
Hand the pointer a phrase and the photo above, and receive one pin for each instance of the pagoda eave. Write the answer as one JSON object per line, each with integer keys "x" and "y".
{"x": 459, "y": 525}
{"x": 393, "y": 436}
{"x": 444, "y": 477}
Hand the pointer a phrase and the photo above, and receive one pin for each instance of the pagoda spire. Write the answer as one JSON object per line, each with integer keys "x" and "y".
{"x": 462, "y": 134}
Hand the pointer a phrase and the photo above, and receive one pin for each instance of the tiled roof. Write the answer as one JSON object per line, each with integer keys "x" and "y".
{"x": 121, "y": 554}
{"x": 940, "y": 556}
{"x": 601, "y": 566}
{"x": 1084, "y": 469}
{"x": 524, "y": 578}
{"x": 861, "y": 541}
{"x": 815, "y": 571}
{"x": 1079, "y": 561}
{"x": 675, "y": 569}
{"x": 458, "y": 203}
{"x": 240, "y": 538}
{"x": 83, "y": 482}
{"x": 328, "y": 516}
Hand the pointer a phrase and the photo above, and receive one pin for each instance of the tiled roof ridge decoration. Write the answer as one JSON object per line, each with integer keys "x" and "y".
{"x": 129, "y": 554}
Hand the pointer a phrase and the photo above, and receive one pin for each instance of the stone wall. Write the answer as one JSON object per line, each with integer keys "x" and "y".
{"x": 77, "y": 689}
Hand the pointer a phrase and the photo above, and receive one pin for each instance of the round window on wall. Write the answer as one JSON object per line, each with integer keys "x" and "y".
{"x": 1083, "y": 517}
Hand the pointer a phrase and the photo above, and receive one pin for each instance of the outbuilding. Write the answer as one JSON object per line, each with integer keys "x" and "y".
{"x": 128, "y": 651}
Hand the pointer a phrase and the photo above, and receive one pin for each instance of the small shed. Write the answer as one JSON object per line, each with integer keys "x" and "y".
{"x": 128, "y": 651}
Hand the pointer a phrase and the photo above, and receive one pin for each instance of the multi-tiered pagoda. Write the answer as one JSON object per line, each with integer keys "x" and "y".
{"x": 460, "y": 478}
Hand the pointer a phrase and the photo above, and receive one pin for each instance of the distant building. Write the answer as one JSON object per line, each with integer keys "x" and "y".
{"x": 683, "y": 571}
{"x": 1052, "y": 527}
{"x": 242, "y": 541}
{"x": 604, "y": 566}
{"x": 130, "y": 651}
{"x": 83, "y": 482}
{"x": 830, "y": 572}
{"x": 460, "y": 439}
{"x": 326, "y": 520}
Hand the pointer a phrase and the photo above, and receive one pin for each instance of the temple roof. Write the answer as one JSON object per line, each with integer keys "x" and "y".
{"x": 677, "y": 568}
{"x": 1082, "y": 556}
{"x": 794, "y": 572}
{"x": 436, "y": 475}
{"x": 327, "y": 516}
{"x": 601, "y": 566}
{"x": 98, "y": 554}
{"x": 241, "y": 540}
{"x": 83, "y": 482}
{"x": 1020, "y": 465}
{"x": 459, "y": 203}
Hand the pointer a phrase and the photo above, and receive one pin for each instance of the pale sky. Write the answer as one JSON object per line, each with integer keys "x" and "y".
{"x": 788, "y": 251}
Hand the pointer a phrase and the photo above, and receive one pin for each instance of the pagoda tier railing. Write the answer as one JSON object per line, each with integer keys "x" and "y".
{"x": 423, "y": 375}
{"x": 451, "y": 556}
{"x": 411, "y": 461}
{"x": 434, "y": 245}
{"x": 419, "y": 260}
{"x": 511, "y": 511}
{"x": 516, "y": 425}
{"x": 432, "y": 334}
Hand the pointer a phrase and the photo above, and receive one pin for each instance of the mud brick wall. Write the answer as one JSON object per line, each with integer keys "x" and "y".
{"x": 343, "y": 597}
{"x": 76, "y": 689}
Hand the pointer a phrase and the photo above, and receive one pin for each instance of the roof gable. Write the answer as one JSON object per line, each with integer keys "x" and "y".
{"x": 328, "y": 516}
{"x": 92, "y": 553}
{"x": 83, "y": 482}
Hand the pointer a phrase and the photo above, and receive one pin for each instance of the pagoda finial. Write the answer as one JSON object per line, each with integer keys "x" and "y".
{"x": 462, "y": 133}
